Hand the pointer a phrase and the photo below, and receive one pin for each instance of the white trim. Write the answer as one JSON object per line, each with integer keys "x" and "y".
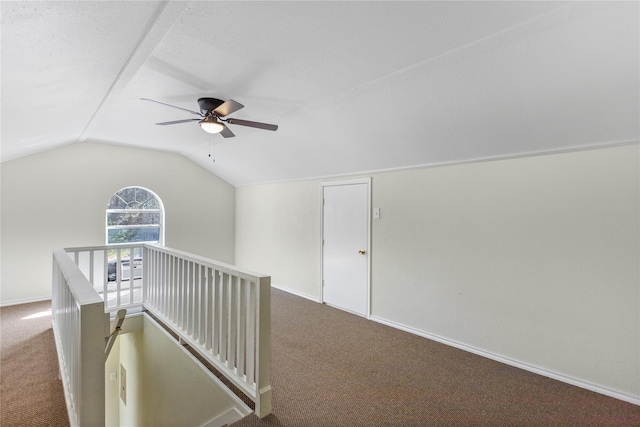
{"x": 346, "y": 182}
{"x": 163, "y": 218}
{"x": 471, "y": 160}
{"x": 296, "y": 293}
{"x": 24, "y": 301}
{"x": 355, "y": 181}
{"x": 128, "y": 227}
{"x": 227, "y": 418}
{"x": 507, "y": 361}
{"x": 134, "y": 210}
{"x": 321, "y": 210}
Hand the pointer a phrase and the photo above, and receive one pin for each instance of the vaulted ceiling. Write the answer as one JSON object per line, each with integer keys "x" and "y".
{"x": 354, "y": 86}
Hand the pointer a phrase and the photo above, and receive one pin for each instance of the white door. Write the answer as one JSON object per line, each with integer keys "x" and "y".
{"x": 345, "y": 251}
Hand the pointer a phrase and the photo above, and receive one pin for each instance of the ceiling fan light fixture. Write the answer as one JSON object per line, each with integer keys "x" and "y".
{"x": 211, "y": 125}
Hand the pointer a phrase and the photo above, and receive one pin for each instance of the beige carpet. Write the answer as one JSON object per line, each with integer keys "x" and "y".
{"x": 330, "y": 368}
{"x": 30, "y": 391}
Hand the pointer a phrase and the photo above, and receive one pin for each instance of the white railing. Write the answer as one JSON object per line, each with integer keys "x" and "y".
{"x": 79, "y": 325}
{"x": 221, "y": 311}
{"x": 110, "y": 269}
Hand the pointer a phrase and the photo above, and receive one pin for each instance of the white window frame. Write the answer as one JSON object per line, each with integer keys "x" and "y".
{"x": 124, "y": 227}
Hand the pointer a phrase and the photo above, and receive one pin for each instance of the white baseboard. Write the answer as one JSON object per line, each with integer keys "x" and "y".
{"x": 225, "y": 419}
{"x": 296, "y": 293}
{"x": 540, "y": 371}
{"x": 24, "y": 301}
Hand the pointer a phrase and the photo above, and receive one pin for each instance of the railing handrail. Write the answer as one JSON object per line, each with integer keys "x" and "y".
{"x": 79, "y": 285}
{"x": 103, "y": 247}
{"x": 79, "y": 325}
{"x": 209, "y": 262}
{"x": 181, "y": 289}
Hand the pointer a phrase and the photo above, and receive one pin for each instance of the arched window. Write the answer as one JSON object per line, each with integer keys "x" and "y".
{"x": 135, "y": 214}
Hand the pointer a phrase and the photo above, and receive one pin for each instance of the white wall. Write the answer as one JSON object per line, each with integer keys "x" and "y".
{"x": 164, "y": 386}
{"x": 132, "y": 358}
{"x": 112, "y": 386}
{"x": 534, "y": 260}
{"x": 278, "y": 233}
{"x": 58, "y": 199}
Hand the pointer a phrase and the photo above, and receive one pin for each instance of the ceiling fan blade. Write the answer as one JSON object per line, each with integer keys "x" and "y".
{"x": 228, "y": 107}
{"x": 175, "y": 122}
{"x": 172, "y": 106}
{"x": 226, "y": 132}
{"x": 251, "y": 124}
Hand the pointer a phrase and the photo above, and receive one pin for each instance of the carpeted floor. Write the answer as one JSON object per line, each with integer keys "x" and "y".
{"x": 30, "y": 392}
{"x": 330, "y": 368}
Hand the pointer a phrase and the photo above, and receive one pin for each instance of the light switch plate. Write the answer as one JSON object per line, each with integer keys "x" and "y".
{"x": 123, "y": 384}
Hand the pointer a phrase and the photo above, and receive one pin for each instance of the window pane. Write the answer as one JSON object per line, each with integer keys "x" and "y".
{"x": 133, "y": 218}
{"x": 127, "y": 235}
{"x": 134, "y": 214}
{"x": 133, "y": 198}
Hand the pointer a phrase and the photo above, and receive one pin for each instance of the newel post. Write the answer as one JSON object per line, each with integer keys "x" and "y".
{"x": 263, "y": 374}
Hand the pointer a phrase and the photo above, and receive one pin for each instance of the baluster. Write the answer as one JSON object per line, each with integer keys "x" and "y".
{"x": 91, "y": 268}
{"x": 210, "y": 322}
{"x": 196, "y": 301}
{"x": 159, "y": 279}
{"x": 197, "y": 278}
{"x": 180, "y": 292}
{"x": 242, "y": 326}
{"x": 155, "y": 280}
{"x": 203, "y": 304}
{"x": 163, "y": 277}
{"x": 233, "y": 322}
{"x": 105, "y": 286}
{"x": 193, "y": 301}
{"x": 175, "y": 262}
{"x": 170, "y": 280}
{"x": 251, "y": 333}
{"x": 118, "y": 275}
{"x": 132, "y": 298}
{"x": 184, "y": 295}
{"x": 152, "y": 283}
{"x": 170, "y": 283}
{"x": 224, "y": 319}
{"x": 200, "y": 302}
{"x": 217, "y": 308}
{"x": 177, "y": 315}
{"x": 175, "y": 284}
{"x": 187, "y": 298}
{"x": 166, "y": 283}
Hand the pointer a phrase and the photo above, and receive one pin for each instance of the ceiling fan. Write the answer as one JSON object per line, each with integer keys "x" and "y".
{"x": 212, "y": 111}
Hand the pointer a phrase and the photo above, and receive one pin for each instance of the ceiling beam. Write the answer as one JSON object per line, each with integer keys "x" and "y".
{"x": 166, "y": 14}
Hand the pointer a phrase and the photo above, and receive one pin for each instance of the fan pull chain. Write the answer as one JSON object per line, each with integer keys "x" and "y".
{"x": 213, "y": 158}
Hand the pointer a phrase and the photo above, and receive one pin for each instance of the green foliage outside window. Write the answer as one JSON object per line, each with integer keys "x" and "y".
{"x": 134, "y": 214}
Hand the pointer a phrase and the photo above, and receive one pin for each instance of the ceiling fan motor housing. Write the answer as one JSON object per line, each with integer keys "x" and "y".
{"x": 209, "y": 104}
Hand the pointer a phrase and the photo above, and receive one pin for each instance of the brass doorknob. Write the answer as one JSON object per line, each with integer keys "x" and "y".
{"x": 362, "y": 252}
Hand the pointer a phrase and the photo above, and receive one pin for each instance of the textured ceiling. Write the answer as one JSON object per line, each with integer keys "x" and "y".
{"x": 354, "y": 86}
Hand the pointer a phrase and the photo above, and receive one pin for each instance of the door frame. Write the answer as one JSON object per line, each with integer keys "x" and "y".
{"x": 336, "y": 183}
